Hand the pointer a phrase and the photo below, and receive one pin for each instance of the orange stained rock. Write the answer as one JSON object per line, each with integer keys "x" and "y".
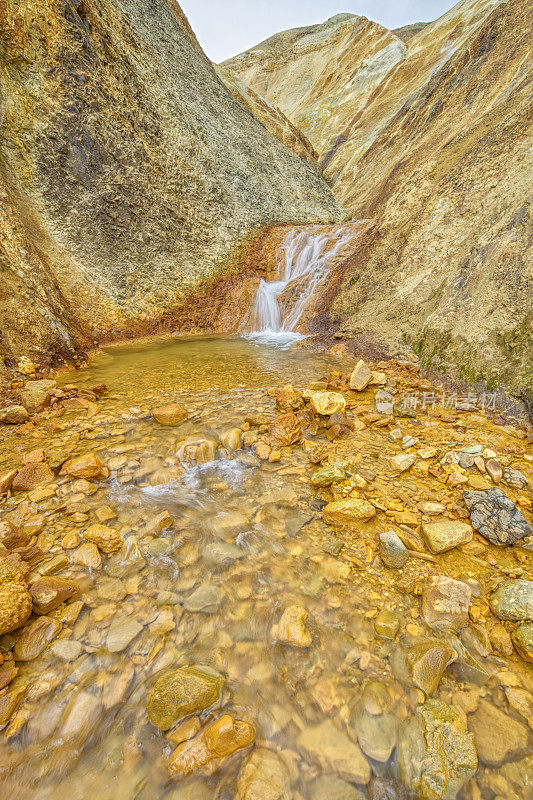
{"x": 218, "y": 740}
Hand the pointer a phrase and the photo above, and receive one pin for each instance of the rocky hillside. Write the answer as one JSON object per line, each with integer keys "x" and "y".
{"x": 129, "y": 174}
{"x": 432, "y": 137}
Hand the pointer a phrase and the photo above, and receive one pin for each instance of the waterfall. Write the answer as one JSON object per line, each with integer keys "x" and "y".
{"x": 307, "y": 256}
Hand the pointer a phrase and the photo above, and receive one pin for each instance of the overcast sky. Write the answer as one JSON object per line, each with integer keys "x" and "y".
{"x": 227, "y": 27}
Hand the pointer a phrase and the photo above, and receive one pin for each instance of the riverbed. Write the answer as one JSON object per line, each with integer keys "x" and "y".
{"x": 219, "y": 541}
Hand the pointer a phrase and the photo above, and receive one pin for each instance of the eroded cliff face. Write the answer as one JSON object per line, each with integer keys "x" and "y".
{"x": 129, "y": 175}
{"x": 440, "y": 153}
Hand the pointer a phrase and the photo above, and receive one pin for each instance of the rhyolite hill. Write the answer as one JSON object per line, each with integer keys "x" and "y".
{"x": 130, "y": 175}
{"x": 430, "y": 133}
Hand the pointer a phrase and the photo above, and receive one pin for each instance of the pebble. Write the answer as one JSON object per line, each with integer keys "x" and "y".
{"x": 121, "y": 633}
{"x": 207, "y": 598}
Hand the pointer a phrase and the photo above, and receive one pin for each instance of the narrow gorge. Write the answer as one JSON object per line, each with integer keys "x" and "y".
{"x": 266, "y": 390}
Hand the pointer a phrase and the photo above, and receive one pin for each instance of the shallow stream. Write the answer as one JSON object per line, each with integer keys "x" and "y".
{"x": 242, "y": 540}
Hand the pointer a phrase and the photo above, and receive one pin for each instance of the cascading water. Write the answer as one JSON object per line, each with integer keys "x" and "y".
{"x": 307, "y": 258}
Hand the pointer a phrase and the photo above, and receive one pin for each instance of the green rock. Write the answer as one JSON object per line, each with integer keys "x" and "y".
{"x": 387, "y": 624}
{"x": 326, "y": 476}
{"x": 436, "y": 754}
{"x": 513, "y": 600}
{"x": 523, "y": 640}
{"x": 183, "y": 691}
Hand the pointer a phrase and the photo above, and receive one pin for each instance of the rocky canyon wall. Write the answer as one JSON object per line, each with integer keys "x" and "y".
{"x": 129, "y": 175}
{"x": 431, "y": 136}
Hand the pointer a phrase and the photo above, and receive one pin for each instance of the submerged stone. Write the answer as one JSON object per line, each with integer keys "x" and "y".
{"x": 436, "y": 754}
{"x": 264, "y": 777}
{"x": 88, "y": 467}
{"x": 498, "y": 737}
{"x": 170, "y": 414}
{"x": 35, "y": 637}
{"x": 187, "y": 690}
{"x": 291, "y": 627}
{"x": 523, "y": 641}
{"x": 334, "y": 751}
{"x": 218, "y": 740}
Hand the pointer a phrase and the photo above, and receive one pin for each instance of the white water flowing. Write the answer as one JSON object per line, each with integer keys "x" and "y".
{"x": 307, "y": 258}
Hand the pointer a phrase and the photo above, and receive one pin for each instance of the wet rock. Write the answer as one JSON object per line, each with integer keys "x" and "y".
{"x": 443, "y": 535}
{"x": 81, "y": 716}
{"x": 30, "y": 476}
{"x": 402, "y": 462}
{"x": 7, "y": 674}
{"x": 6, "y": 480}
{"x": 333, "y": 788}
{"x": 445, "y": 603}
{"x": 232, "y": 439}
{"x": 218, "y": 740}
{"x": 264, "y": 777}
{"x": 327, "y": 403}
{"x": 66, "y": 650}
{"x": 49, "y": 592}
{"x": 89, "y": 467}
{"x": 36, "y": 395}
{"x": 289, "y": 399}
{"x": 184, "y": 691}
{"x": 392, "y": 550}
{"x": 387, "y": 624}
{"x": 496, "y": 517}
{"x": 326, "y": 476}
{"x": 523, "y": 641}
{"x": 87, "y": 555}
{"x": 333, "y": 751}
{"x": 222, "y": 553}
{"x": 286, "y": 430}
{"x": 360, "y": 377}
{"x": 384, "y": 402}
{"x": 497, "y": 736}
{"x": 514, "y": 478}
{"x": 291, "y": 628}
{"x": 15, "y": 606}
{"x": 206, "y": 598}
{"x": 13, "y": 415}
{"x": 513, "y": 600}
{"x": 122, "y": 633}
{"x": 436, "y": 754}
{"x": 348, "y": 511}
{"x": 170, "y": 414}
{"x": 13, "y": 568}
{"x": 107, "y": 540}
{"x": 196, "y": 450}
{"x": 35, "y": 637}
{"x": 377, "y": 729}
{"x": 427, "y": 662}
